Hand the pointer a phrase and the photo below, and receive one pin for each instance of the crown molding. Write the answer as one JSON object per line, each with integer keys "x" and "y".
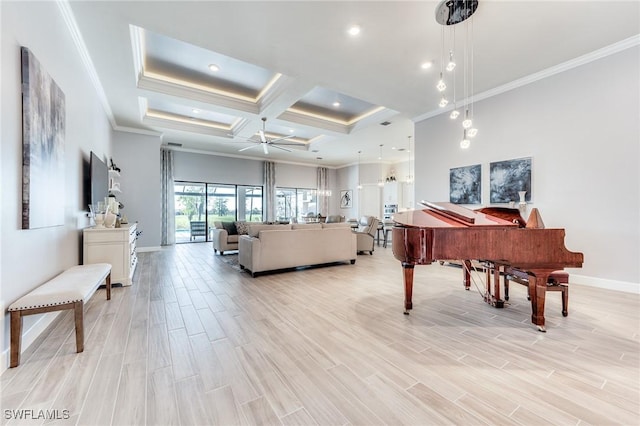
{"x": 137, "y": 131}
{"x": 612, "y": 49}
{"x": 74, "y": 31}
{"x": 243, "y": 157}
{"x": 181, "y": 91}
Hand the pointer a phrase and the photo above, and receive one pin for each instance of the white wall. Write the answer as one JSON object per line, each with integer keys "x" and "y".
{"x": 581, "y": 129}
{"x": 195, "y": 167}
{"x": 138, "y": 157}
{"x": 30, "y": 257}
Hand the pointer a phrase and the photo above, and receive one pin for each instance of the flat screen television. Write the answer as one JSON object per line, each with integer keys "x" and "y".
{"x": 99, "y": 173}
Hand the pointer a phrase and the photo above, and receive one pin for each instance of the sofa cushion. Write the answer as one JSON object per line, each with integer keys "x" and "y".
{"x": 337, "y": 225}
{"x": 306, "y": 226}
{"x": 254, "y": 229}
{"x": 217, "y": 224}
{"x": 242, "y": 228}
{"x": 232, "y": 238}
{"x": 230, "y": 227}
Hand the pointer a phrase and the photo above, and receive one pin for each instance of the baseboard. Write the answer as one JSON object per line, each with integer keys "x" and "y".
{"x": 29, "y": 336}
{"x": 145, "y": 249}
{"x": 624, "y": 286}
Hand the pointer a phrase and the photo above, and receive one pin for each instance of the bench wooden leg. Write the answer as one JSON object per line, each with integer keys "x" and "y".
{"x": 108, "y": 285}
{"x": 16, "y": 338}
{"x": 78, "y": 308}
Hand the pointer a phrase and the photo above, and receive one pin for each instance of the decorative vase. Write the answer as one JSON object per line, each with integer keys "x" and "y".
{"x": 522, "y": 194}
{"x": 99, "y": 219}
{"x": 109, "y": 220}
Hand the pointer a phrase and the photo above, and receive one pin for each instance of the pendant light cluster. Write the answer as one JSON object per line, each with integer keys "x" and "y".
{"x": 410, "y": 175}
{"x": 380, "y": 179}
{"x": 359, "y": 183}
{"x": 448, "y": 14}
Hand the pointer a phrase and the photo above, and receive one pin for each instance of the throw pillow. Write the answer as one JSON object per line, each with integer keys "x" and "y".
{"x": 242, "y": 227}
{"x": 230, "y": 227}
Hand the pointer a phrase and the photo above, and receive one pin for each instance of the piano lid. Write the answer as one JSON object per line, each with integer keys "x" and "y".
{"x": 446, "y": 215}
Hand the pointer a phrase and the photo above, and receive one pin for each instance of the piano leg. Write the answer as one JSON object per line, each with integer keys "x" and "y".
{"x": 537, "y": 292}
{"x": 466, "y": 274}
{"x": 407, "y": 269}
{"x": 493, "y": 298}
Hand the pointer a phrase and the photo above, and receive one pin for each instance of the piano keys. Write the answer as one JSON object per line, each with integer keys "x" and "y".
{"x": 445, "y": 231}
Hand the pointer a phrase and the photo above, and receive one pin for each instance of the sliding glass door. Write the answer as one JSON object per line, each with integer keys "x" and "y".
{"x": 250, "y": 202}
{"x": 295, "y": 203}
{"x": 190, "y": 212}
{"x": 221, "y": 203}
{"x": 198, "y": 205}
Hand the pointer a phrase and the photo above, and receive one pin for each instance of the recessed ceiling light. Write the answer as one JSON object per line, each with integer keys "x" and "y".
{"x": 336, "y": 104}
{"x": 426, "y": 65}
{"x": 354, "y": 30}
{"x": 214, "y": 67}
{"x": 195, "y": 111}
{"x": 290, "y": 130}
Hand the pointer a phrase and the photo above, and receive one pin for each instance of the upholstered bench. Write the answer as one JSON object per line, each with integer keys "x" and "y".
{"x": 68, "y": 290}
{"x": 557, "y": 281}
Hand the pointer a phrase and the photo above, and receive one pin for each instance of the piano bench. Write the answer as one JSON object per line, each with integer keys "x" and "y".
{"x": 557, "y": 281}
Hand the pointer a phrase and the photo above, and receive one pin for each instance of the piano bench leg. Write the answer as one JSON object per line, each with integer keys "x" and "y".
{"x": 506, "y": 288}
{"x": 565, "y": 296}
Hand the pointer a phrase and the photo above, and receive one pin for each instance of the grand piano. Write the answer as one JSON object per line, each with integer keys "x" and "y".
{"x": 445, "y": 231}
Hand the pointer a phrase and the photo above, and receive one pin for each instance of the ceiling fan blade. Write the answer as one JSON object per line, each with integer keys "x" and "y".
{"x": 263, "y": 138}
{"x": 244, "y": 149}
{"x": 281, "y": 139}
{"x": 240, "y": 137}
{"x": 292, "y": 143}
{"x": 279, "y": 147}
{"x": 265, "y": 149}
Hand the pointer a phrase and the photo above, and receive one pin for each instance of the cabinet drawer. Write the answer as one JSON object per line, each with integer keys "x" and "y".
{"x": 106, "y": 236}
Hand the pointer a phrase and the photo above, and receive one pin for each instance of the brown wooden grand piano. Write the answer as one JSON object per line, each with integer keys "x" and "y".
{"x": 444, "y": 231}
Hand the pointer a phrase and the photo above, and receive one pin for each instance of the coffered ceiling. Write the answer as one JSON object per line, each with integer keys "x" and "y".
{"x": 204, "y": 74}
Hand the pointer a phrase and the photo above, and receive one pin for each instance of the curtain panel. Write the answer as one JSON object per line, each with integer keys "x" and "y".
{"x": 167, "y": 199}
{"x": 323, "y": 191}
{"x": 270, "y": 190}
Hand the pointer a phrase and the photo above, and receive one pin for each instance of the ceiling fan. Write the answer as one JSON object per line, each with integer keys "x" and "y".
{"x": 266, "y": 142}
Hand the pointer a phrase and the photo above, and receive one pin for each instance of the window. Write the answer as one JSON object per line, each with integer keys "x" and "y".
{"x": 198, "y": 205}
{"x": 190, "y": 209}
{"x": 250, "y": 197}
{"x": 295, "y": 203}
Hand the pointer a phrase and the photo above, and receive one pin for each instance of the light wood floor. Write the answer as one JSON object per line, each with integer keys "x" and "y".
{"x": 194, "y": 342}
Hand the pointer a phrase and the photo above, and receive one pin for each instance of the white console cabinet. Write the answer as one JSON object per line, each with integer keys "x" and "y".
{"x": 116, "y": 246}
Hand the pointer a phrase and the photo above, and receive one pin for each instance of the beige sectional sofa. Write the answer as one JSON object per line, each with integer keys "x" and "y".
{"x": 274, "y": 247}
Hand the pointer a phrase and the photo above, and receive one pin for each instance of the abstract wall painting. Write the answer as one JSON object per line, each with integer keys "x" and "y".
{"x": 507, "y": 178}
{"x": 43, "y": 132}
{"x": 465, "y": 185}
{"x": 346, "y": 199}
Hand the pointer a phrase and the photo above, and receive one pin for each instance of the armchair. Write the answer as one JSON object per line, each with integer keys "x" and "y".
{"x": 365, "y": 237}
{"x": 225, "y": 237}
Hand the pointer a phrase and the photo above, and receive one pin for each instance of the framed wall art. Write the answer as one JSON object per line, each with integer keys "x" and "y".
{"x": 43, "y": 132}
{"x": 508, "y": 178}
{"x": 465, "y": 185}
{"x": 346, "y": 199}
